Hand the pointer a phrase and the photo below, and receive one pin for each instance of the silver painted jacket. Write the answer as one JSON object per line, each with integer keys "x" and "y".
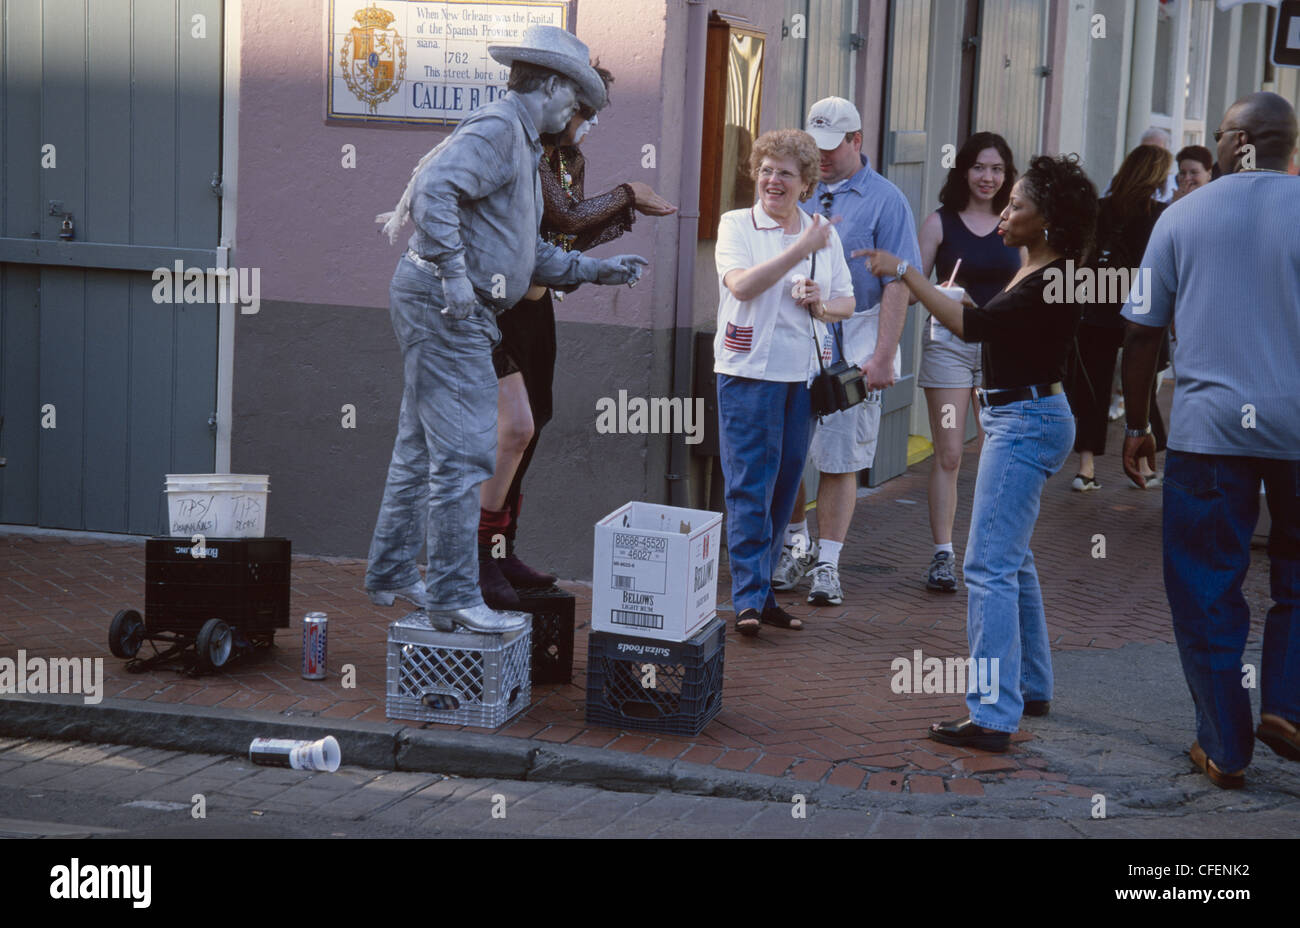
{"x": 477, "y": 208}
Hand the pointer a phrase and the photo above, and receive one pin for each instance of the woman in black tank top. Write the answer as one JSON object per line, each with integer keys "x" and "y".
{"x": 964, "y": 228}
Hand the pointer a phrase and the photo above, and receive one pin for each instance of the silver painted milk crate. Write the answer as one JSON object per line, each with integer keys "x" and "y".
{"x": 458, "y": 677}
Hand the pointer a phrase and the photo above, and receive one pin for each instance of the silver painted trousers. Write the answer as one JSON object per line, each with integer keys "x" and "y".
{"x": 446, "y": 444}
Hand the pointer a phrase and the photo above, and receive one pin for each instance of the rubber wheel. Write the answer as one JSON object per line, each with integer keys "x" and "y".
{"x": 126, "y": 634}
{"x": 213, "y": 645}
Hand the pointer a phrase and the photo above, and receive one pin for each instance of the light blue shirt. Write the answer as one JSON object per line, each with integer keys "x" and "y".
{"x": 1224, "y": 267}
{"x": 876, "y": 215}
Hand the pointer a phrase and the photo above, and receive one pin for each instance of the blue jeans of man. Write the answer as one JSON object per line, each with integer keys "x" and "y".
{"x": 764, "y": 430}
{"x": 1211, "y": 506}
{"x": 1024, "y": 444}
{"x": 446, "y": 444}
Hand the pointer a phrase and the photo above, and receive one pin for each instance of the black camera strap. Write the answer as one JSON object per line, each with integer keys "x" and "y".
{"x": 835, "y": 333}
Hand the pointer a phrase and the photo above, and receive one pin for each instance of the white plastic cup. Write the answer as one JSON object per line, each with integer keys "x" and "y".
{"x": 938, "y": 330}
{"x": 323, "y": 755}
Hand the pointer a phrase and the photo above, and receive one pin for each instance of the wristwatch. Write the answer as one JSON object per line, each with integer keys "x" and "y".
{"x": 1137, "y": 433}
{"x": 901, "y": 270}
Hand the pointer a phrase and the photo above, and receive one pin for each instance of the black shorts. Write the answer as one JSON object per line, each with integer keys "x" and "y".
{"x": 528, "y": 347}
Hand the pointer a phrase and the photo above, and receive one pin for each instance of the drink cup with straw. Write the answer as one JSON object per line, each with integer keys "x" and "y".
{"x": 937, "y": 329}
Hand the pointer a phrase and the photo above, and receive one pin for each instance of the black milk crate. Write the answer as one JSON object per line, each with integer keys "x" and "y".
{"x": 242, "y": 581}
{"x": 687, "y": 681}
{"x": 552, "y": 611}
{"x": 457, "y": 677}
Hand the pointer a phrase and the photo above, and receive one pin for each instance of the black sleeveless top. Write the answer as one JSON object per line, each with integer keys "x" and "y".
{"x": 987, "y": 265}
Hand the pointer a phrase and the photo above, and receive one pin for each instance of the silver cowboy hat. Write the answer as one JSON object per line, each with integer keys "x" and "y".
{"x": 560, "y": 51}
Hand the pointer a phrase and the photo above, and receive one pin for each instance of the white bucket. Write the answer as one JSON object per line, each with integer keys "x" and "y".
{"x": 217, "y": 505}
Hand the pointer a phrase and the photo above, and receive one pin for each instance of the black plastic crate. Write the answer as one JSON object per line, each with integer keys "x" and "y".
{"x": 242, "y": 581}
{"x": 552, "y": 611}
{"x": 687, "y": 678}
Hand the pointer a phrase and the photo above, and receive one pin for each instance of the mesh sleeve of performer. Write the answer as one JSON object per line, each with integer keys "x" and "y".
{"x": 594, "y": 220}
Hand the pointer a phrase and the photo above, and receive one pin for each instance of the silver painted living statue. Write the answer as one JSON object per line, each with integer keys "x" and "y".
{"x": 476, "y": 202}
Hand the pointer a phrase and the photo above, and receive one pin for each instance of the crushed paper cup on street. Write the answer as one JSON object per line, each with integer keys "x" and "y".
{"x": 321, "y": 755}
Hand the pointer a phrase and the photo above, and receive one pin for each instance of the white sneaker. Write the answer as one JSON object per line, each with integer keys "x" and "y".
{"x": 1116, "y": 410}
{"x": 791, "y": 569}
{"x": 825, "y": 586}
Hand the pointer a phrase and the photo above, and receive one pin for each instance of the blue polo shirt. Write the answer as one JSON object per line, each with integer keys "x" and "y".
{"x": 876, "y": 215}
{"x": 1224, "y": 269}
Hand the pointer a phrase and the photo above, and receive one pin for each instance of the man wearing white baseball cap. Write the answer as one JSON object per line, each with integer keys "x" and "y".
{"x": 873, "y": 213}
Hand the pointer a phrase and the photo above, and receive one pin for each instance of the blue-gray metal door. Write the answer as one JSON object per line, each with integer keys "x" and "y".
{"x": 112, "y": 116}
{"x": 905, "y": 150}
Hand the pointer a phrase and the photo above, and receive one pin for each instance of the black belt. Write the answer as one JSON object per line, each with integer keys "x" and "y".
{"x": 1017, "y": 394}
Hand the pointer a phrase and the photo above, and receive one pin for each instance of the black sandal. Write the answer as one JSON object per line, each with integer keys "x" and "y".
{"x": 753, "y": 619}
{"x": 964, "y": 733}
{"x": 781, "y": 619}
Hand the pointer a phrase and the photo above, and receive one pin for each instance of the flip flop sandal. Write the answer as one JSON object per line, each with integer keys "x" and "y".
{"x": 1217, "y": 776}
{"x": 963, "y": 733}
{"x": 749, "y": 616}
{"x": 779, "y": 618}
{"x": 1283, "y": 742}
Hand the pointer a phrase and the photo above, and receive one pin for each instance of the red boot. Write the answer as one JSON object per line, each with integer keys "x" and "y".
{"x": 497, "y": 591}
{"x": 520, "y": 575}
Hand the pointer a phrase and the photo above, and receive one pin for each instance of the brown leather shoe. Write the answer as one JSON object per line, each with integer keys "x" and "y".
{"x": 1217, "y": 777}
{"x": 497, "y": 591}
{"x": 1280, "y": 735}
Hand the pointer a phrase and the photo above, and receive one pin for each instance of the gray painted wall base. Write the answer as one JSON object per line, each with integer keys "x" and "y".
{"x": 297, "y": 365}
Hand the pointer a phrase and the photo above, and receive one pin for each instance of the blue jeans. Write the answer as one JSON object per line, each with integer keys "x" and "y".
{"x": 1211, "y": 506}
{"x": 764, "y": 429}
{"x": 1024, "y": 444}
{"x": 446, "y": 444}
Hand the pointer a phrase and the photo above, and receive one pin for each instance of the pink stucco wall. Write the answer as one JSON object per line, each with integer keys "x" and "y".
{"x": 307, "y": 221}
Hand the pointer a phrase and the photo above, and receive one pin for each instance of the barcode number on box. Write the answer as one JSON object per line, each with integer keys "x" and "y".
{"x": 636, "y": 619}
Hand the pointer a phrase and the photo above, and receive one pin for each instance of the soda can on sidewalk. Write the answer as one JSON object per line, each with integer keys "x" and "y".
{"x": 314, "y": 641}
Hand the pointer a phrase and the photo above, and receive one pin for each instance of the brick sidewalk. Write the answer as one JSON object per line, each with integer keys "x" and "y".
{"x": 814, "y": 705}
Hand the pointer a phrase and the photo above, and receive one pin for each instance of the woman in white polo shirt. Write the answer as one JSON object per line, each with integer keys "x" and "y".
{"x": 781, "y": 277}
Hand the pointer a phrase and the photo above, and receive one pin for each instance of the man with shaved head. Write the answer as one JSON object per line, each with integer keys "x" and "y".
{"x": 1224, "y": 269}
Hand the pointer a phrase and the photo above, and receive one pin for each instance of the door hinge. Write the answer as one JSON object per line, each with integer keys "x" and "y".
{"x": 215, "y": 184}
{"x": 212, "y": 423}
{"x": 971, "y": 41}
{"x": 857, "y": 41}
{"x": 1044, "y": 71}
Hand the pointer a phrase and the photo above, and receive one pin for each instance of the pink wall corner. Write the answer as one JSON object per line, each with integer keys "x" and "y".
{"x": 308, "y": 223}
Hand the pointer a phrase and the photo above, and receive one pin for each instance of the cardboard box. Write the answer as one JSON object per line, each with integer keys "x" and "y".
{"x": 656, "y": 571}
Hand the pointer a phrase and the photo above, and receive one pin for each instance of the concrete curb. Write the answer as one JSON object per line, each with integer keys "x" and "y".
{"x": 389, "y": 746}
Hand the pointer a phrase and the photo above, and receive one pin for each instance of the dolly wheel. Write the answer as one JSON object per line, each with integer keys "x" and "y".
{"x": 213, "y": 645}
{"x": 126, "y": 634}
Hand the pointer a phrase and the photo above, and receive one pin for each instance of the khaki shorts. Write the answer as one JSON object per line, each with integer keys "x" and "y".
{"x": 845, "y": 442}
{"x": 946, "y": 360}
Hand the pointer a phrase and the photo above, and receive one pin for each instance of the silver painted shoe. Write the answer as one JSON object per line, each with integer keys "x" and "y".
{"x": 413, "y": 594}
{"x": 438, "y": 622}
{"x": 482, "y": 618}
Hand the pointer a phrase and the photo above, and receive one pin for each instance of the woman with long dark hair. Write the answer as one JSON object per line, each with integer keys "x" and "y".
{"x": 1124, "y": 223}
{"x": 963, "y": 229}
{"x": 1027, "y": 333}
